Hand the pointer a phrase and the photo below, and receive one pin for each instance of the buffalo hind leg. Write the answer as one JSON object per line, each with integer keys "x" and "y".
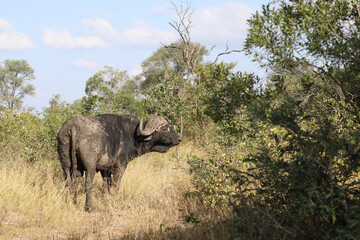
{"x": 88, "y": 188}
{"x": 68, "y": 183}
{"x": 63, "y": 150}
{"x": 106, "y": 175}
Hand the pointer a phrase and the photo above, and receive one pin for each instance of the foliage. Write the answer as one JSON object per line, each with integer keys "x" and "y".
{"x": 170, "y": 89}
{"x": 14, "y": 75}
{"x": 21, "y": 137}
{"x": 167, "y": 99}
{"x": 166, "y": 59}
{"x": 111, "y": 91}
{"x": 289, "y": 164}
{"x": 25, "y": 137}
{"x": 226, "y": 95}
{"x": 299, "y": 177}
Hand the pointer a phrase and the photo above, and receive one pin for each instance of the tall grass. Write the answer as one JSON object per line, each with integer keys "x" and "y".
{"x": 150, "y": 201}
{"x": 31, "y": 197}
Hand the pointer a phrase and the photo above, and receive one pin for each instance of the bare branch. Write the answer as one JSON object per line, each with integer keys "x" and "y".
{"x": 182, "y": 26}
{"x": 184, "y": 14}
{"x": 172, "y": 46}
{"x": 227, "y": 51}
{"x": 277, "y": 224}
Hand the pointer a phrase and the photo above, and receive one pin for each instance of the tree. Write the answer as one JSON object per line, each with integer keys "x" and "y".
{"x": 111, "y": 90}
{"x": 182, "y": 25}
{"x": 192, "y": 59}
{"x": 169, "y": 60}
{"x": 306, "y": 123}
{"x": 189, "y": 51}
{"x": 317, "y": 35}
{"x": 169, "y": 74}
{"x": 14, "y": 86}
{"x": 297, "y": 174}
{"x": 164, "y": 81}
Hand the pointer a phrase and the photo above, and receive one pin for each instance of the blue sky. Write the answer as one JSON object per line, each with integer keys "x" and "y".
{"x": 67, "y": 41}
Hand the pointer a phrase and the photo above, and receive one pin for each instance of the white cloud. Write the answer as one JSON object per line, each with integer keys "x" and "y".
{"x": 84, "y": 64}
{"x": 141, "y": 35}
{"x": 99, "y": 33}
{"x": 226, "y": 23}
{"x": 5, "y": 25}
{"x": 64, "y": 40}
{"x": 100, "y": 27}
{"x": 11, "y": 40}
{"x": 144, "y": 35}
{"x": 15, "y": 41}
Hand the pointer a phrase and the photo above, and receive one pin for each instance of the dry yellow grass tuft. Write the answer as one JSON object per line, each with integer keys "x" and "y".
{"x": 151, "y": 199}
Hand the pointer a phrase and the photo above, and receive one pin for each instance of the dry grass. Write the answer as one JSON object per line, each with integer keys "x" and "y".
{"x": 150, "y": 202}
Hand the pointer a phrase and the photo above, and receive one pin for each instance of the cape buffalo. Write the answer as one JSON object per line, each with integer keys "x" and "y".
{"x": 107, "y": 143}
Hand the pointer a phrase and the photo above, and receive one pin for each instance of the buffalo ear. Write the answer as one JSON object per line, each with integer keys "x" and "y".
{"x": 144, "y": 138}
{"x": 148, "y": 138}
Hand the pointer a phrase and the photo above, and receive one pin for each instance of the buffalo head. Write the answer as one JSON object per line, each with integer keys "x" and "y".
{"x": 157, "y": 133}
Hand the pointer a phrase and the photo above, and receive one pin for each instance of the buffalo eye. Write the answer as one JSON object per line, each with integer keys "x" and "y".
{"x": 164, "y": 128}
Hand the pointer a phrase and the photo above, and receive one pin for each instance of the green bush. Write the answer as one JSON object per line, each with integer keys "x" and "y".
{"x": 22, "y": 137}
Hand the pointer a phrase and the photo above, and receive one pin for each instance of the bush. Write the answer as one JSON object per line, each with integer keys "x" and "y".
{"x": 287, "y": 163}
{"x": 22, "y": 137}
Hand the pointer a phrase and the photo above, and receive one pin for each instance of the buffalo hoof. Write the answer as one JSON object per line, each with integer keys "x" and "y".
{"x": 89, "y": 208}
{"x": 75, "y": 174}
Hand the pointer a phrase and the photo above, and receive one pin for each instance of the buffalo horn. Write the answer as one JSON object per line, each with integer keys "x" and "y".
{"x": 152, "y": 124}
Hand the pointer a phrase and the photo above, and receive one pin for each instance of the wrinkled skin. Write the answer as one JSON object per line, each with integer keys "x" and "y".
{"x": 106, "y": 143}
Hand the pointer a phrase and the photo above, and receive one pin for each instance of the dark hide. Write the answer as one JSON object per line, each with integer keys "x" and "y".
{"x": 106, "y": 143}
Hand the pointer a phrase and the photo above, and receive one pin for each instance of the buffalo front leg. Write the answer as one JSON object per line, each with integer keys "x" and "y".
{"x": 118, "y": 174}
{"x": 88, "y": 187}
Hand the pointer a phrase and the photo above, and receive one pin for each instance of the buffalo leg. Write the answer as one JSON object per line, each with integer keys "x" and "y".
{"x": 68, "y": 183}
{"x": 88, "y": 187}
{"x": 63, "y": 150}
{"x": 118, "y": 174}
{"x": 106, "y": 175}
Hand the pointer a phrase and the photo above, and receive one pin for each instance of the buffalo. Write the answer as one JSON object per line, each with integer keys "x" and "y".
{"x": 107, "y": 143}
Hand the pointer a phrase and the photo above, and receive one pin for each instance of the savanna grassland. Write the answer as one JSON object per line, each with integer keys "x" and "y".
{"x": 150, "y": 204}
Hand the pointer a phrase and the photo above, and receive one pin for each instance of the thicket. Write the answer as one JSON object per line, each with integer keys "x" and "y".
{"x": 284, "y": 148}
{"x": 297, "y": 174}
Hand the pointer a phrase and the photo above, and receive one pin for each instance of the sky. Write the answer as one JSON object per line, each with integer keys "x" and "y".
{"x": 66, "y": 42}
